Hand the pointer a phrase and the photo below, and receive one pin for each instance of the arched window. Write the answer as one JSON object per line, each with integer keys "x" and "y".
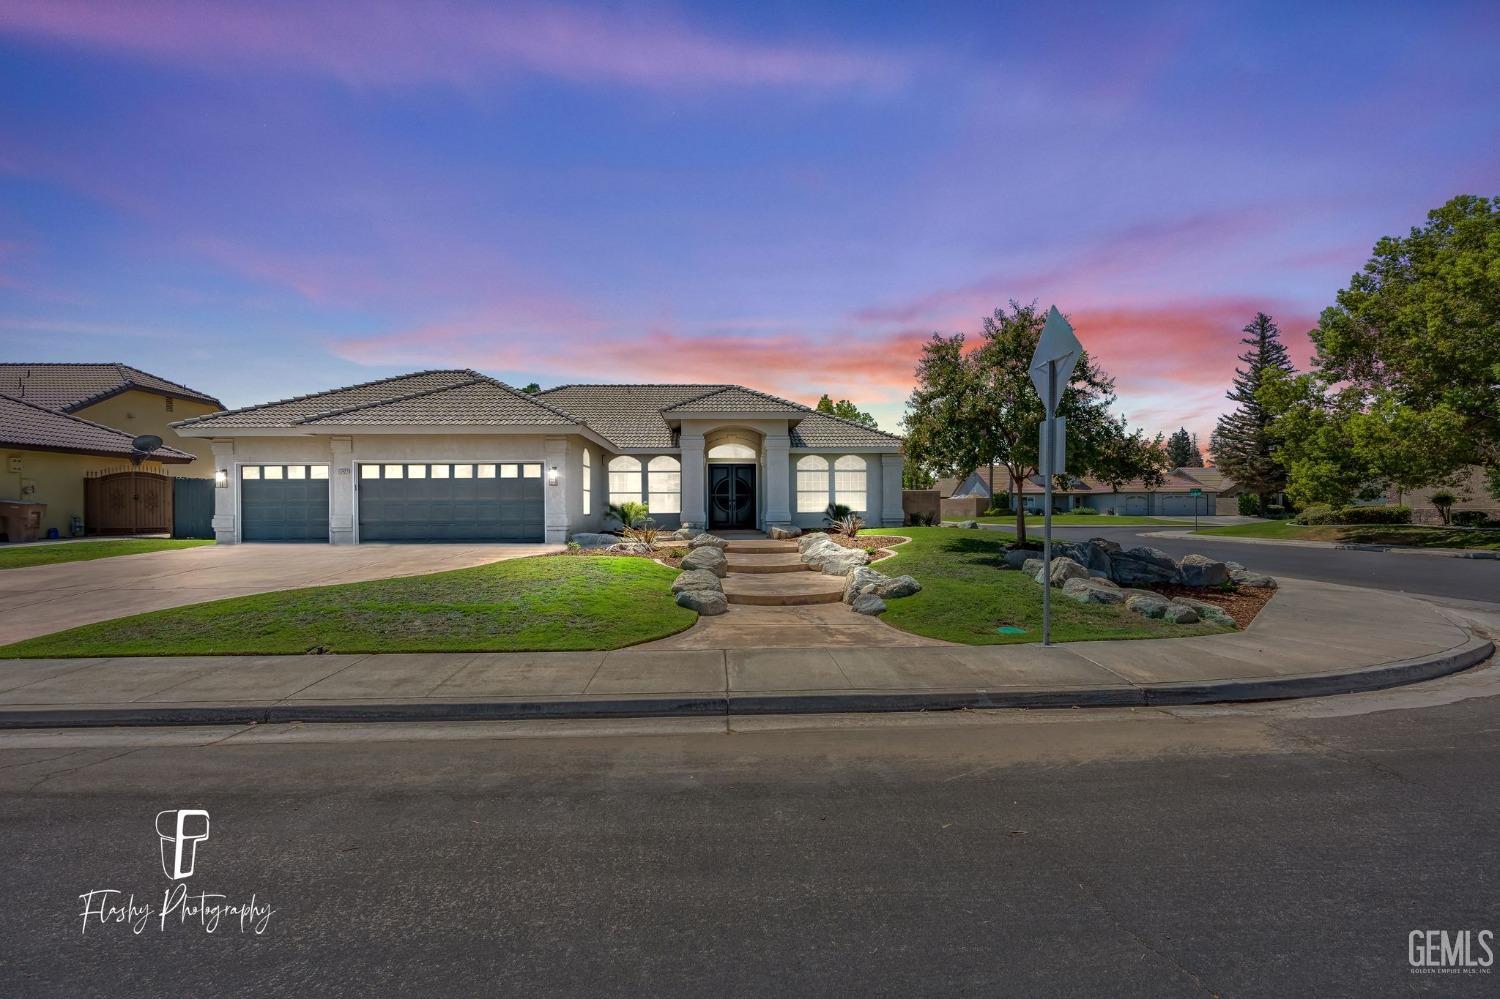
{"x": 849, "y": 482}
{"x": 664, "y": 485}
{"x": 731, "y": 452}
{"x": 812, "y": 484}
{"x": 588, "y": 483}
{"x": 624, "y": 480}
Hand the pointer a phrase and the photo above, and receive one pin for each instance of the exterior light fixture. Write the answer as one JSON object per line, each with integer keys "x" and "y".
{"x": 221, "y": 479}
{"x": 552, "y": 476}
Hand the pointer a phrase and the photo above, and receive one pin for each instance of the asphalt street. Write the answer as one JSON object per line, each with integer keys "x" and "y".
{"x": 1428, "y": 575}
{"x": 1268, "y": 850}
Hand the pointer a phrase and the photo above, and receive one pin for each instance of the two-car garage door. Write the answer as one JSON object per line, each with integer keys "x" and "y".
{"x": 451, "y": 501}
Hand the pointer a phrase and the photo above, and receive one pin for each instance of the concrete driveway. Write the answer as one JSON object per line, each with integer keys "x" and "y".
{"x": 42, "y": 599}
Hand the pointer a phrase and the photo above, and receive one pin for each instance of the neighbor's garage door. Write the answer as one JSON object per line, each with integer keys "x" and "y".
{"x": 284, "y": 503}
{"x": 451, "y": 502}
{"x": 1181, "y": 504}
{"x": 1131, "y": 503}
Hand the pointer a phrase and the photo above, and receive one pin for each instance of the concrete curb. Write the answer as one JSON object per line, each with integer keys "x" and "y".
{"x": 1381, "y": 677}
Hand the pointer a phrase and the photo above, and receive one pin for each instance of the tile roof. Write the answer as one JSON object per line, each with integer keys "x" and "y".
{"x": 737, "y": 399}
{"x": 26, "y": 425}
{"x": 629, "y": 416}
{"x": 1177, "y": 481}
{"x": 822, "y": 430}
{"x": 68, "y": 386}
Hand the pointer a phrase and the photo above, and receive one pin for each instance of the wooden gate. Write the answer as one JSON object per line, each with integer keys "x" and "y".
{"x": 127, "y": 502}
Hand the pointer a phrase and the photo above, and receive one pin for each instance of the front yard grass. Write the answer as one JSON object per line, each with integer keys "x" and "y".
{"x": 1402, "y": 535}
{"x": 546, "y": 603}
{"x": 967, "y": 595}
{"x": 83, "y": 551}
{"x": 1074, "y": 520}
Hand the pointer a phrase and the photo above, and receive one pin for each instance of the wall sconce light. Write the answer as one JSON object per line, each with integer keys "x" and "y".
{"x": 221, "y": 479}
{"x": 552, "y": 476}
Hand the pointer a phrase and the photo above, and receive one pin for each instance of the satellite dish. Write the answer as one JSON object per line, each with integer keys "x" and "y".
{"x": 143, "y": 446}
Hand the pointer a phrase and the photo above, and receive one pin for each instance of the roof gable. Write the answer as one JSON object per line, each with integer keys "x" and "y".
{"x": 737, "y": 399}
{"x": 68, "y": 386}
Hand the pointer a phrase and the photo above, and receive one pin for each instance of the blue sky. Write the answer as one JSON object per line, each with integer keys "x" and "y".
{"x": 265, "y": 199}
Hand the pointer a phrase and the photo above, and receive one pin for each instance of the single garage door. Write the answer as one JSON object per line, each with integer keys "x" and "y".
{"x": 451, "y": 501}
{"x": 1181, "y": 504}
{"x": 1131, "y": 503}
{"x": 284, "y": 503}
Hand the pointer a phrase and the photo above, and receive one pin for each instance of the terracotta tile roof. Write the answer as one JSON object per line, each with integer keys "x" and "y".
{"x": 736, "y": 399}
{"x": 68, "y": 387}
{"x": 481, "y": 402}
{"x": 821, "y": 430}
{"x": 629, "y": 416}
{"x": 25, "y": 425}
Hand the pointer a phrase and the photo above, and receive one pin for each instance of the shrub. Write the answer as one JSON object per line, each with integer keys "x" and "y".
{"x": 1249, "y": 504}
{"x": 628, "y": 514}
{"x": 1316, "y": 513}
{"x": 834, "y": 513}
{"x": 1470, "y": 518}
{"x": 1275, "y": 511}
{"x": 1375, "y": 515}
{"x": 1085, "y": 511}
{"x": 848, "y": 525}
{"x": 644, "y": 533}
{"x": 1443, "y": 500}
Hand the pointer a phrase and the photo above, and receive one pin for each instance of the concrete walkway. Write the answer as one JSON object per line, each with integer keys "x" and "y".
{"x": 41, "y": 599}
{"x": 1313, "y": 638}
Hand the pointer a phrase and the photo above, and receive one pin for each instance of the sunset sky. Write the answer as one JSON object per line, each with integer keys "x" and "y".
{"x": 266, "y": 199}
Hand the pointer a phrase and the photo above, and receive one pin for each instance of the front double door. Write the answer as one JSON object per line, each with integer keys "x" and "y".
{"x": 731, "y": 497}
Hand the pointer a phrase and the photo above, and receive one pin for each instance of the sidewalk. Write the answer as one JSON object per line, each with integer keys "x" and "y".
{"x": 1313, "y": 638}
{"x": 1477, "y": 553}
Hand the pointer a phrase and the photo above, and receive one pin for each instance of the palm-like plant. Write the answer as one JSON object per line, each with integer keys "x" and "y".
{"x": 644, "y": 532}
{"x": 629, "y": 514}
{"x": 834, "y": 513}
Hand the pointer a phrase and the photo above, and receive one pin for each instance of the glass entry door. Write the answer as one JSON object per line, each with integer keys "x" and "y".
{"x": 731, "y": 497}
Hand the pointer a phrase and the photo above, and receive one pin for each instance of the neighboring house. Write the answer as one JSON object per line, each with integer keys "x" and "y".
{"x": 1174, "y": 498}
{"x": 456, "y": 455}
{"x": 62, "y": 423}
{"x": 1471, "y": 491}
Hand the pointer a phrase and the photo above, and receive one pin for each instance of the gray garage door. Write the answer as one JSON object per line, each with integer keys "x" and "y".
{"x": 1182, "y": 505}
{"x": 284, "y": 503}
{"x": 451, "y": 501}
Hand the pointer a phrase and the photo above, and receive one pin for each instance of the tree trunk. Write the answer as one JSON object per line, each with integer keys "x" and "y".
{"x": 1016, "y": 481}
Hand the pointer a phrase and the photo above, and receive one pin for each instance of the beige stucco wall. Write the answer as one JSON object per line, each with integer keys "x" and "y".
{"x": 136, "y": 412}
{"x": 57, "y": 480}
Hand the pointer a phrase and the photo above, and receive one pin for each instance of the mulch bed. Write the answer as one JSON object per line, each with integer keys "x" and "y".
{"x": 1242, "y": 603}
{"x": 878, "y": 545}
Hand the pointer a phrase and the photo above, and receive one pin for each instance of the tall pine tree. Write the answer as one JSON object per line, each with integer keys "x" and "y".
{"x": 1180, "y": 449}
{"x": 1244, "y": 444}
{"x": 1195, "y": 454}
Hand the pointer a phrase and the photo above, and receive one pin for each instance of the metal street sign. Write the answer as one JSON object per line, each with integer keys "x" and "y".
{"x": 1195, "y": 492}
{"x": 1059, "y": 463}
{"x": 1058, "y": 344}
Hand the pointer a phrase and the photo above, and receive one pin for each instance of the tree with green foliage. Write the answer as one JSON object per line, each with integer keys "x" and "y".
{"x": 846, "y": 410}
{"x": 1244, "y": 442}
{"x": 1195, "y": 455}
{"x": 1181, "y": 449}
{"x": 531, "y": 387}
{"x": 1127, "y": 455}
{"x": 974, "y": 406}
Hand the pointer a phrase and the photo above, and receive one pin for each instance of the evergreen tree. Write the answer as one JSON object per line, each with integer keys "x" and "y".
{"x": 1244, "y": 443}
{"x": 1180, "y": 449}
{"x": 846, "y": 410}
{"x": 1195, "y": 455}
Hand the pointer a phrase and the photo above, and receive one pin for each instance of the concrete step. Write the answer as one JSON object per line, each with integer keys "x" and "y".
{"x": 783, "y": 589}
{"x": 765, "y": 562}
{"x": 760, "y": 546}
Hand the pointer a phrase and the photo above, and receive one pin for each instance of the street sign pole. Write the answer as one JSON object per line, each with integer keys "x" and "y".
{"x": 1047, "y": 503}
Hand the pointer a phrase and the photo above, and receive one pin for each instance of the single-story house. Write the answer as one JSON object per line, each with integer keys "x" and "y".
{"x": 455, "y": 455}
{"x": 1174, "y": 498}
{"x": 61, "y": 424}
{"x": 1471, "y": 491}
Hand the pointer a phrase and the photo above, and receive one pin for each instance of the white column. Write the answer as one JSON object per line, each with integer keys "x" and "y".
{"x": 694, "y": 489}
{"x": 778, "y": 480}
{"x": 226, "y": 497}
{"x": 556, "y": 450}
{"x": 341, "y": 485}
{"x": 891, "y": 514}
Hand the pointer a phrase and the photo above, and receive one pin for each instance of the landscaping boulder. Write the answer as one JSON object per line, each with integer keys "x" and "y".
{"x": 785, "y": 533}
{"x": 1234, "y": 567}
{"x": 1142, "y": 565}
{"x": 708, "y": 559}
{"x": 1180, "y": 613}
{"x": 684, "y": 534}
{"x": 812, "y": 538}
{"x": 1200, "y": 570}
{"x": 1207, "y": 611}
{"x": 1085, "y": 553}
{"x": 836, "y": 560}
{"x": 707, "y": 602}
{"x": 1032, "y": 567}
{"x": 629, "y": 548}
{"x": 1244, "y": 577}
{"x": 696, "y": 579}
{"x": 897, "y": 586}
{"x": 1063, "y": 569}
{"x": 971, "y": 525}
{"x": 1146, "y": 603}
{"x": 586, "y": 540}
{"x": 1016, "y": 558}
{"x": 868, "y": 603}
{"x": 1089, "y": 591}
{"x": 707, "y": 541}
{"x": 1109, "y": 547}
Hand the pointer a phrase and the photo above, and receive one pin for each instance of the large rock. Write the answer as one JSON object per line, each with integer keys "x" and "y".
{"x": 707, "y": 541}
{"x": 858, "y": 580}
{"x": 1180, "y": 613}
{"x": 840, "y": 561}
{"x": 1244, "y": 577}
{"x": 785, "y": 533}
{"x": 1032, "y": 567}
{"x": 696, "y": 579}
{"x": 1142, "y": 565}
{"x": 1207, "y": 611}
{"x": 1200, "y": 570}
{"x": 708, "y": 602}
{"x": 707, "y": 558}
{"x": 1089, "y": 591}
{"x": 684, "y": 534}
{"x": 1085, "y": 553}
{"x": 1145, "y": 603}
{"x": 813, "y": 540}
{"x": 898, "y": 586}
{"x": 629, "y": 548}
{"x": 586, "y": 540}
{"x": 1015, "y": 558}
{"x": 1063, "y": 569}
{"x": 868, "y": 603}
{"x": 1110, "y": 547}
{"x": 971, "y": 524}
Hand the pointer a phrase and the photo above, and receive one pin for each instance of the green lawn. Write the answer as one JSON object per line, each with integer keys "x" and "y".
{"x": 966, "y": 596}
{"x": 1075, "y": 520}
{"x": 1410, "y": 536}
{"x": 547, "y": 603}
{"x": 83, "y": 551}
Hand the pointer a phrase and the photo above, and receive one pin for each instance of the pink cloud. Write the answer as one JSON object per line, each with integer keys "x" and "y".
{"x": 389, "y": 44}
